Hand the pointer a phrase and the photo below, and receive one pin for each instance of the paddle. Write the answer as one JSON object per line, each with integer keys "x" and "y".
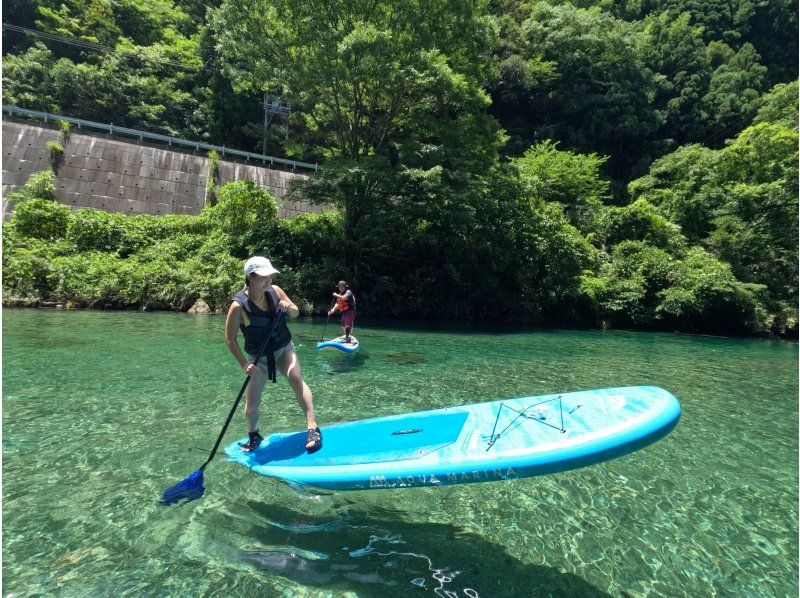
{"x": 326, "y": 324}
{"x": 324, "y": 327}
{"x": 191, "y": 487}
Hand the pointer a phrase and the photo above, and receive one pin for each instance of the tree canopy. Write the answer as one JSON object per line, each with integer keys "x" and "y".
{"x": 592, "y": 162}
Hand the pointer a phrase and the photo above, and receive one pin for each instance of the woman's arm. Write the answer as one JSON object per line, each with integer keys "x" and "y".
{"x": 285, "y": 303}
{"x": 232, "y": 332}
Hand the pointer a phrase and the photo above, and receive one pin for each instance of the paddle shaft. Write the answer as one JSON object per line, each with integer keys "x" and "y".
{"x": 326, "y": 322}
{"x": 325, "y": 328}
{"x": 278, "y": 315}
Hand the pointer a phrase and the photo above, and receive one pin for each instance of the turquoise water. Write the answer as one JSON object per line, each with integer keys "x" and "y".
{"x": 102, "y": 411}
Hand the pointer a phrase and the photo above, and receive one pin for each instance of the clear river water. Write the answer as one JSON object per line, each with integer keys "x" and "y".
{"x": 102, "y": 411}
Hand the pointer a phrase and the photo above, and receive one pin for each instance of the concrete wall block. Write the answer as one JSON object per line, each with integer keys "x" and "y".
{"x": 69, "y": 186}
{"x": 14, "y": 180}
{"x": 156, "y": 196}
{"x": 187, "y": 189}
{"x": 15, "y": 177}
{"x": 108, "y": 177}
{"x": 162, "y": 174}
{"x": 78, "y": 163}
{"x": 105, "y": 203}
{"x": 31, "y": 153}
{"x": 26, "y": 166}
{"x": 129, "y": 181}
{"x": 119, "y": 172}
{"x": 165, "y": 160}
{"x": 19, "y": 177}
{"x": 141, "y": 194}
{"x": 10, "y": 164}
{"x": 83, "y": 174}
{"x": 98, "y": 189}
{"x": 26, "y": 151}
{"x": 91, "y": 162}
{"x": 39, "y": 161}
{"x": 198, "y": 166}
{"x": 113, "y": 181}
{"x": 90, "y": 176}
{"x": 125, "y": 206}
{"x": 166, "y": 186}
{"x": 105, "y": 165}
{"x": 144, "y": 183}
{"x": 145, "y": 170}
{"x": 179, "y": 161}
{"x": 75, "y": 199}
{"x": 184, "y": 177}
{"x": 146, "y": 208}
{"x": 101, "y": 203}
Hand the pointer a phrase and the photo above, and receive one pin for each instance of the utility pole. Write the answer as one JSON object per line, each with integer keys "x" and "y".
{"x": 274, "y": 107}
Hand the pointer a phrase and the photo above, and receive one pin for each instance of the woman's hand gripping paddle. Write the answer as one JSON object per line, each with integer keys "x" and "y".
{"x": 191, "y": 487}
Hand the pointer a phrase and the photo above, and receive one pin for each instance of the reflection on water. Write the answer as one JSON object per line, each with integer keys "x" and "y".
{"x": 102, "y": 411}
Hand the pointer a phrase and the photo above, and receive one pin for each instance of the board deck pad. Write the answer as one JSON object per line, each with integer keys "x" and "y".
{"x": 377, "y": 441}
{"x": 512, "y": 438}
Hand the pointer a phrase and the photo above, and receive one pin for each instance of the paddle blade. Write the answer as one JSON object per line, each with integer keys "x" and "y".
{"x": 187, "y": 489}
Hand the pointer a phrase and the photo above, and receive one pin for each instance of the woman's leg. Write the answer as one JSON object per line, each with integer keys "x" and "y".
{"x": 289, "y": 366}
{"x": 252, "y": 400}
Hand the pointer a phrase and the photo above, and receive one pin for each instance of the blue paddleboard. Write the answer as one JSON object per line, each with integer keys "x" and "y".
{"x": 338, "y": 343}
{"x": 499, "y": 440}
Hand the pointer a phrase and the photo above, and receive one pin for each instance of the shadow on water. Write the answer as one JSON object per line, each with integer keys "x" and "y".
{"x": 343, "y": 363}
{"x": 373, "y": 555}
{"x": 403, "y": 357}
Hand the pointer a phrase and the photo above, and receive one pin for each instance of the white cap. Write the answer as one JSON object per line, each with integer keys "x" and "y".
{"x": 259, "y": 265}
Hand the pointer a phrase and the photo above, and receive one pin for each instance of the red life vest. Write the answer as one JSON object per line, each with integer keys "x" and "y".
{"x": 345, "y": 303}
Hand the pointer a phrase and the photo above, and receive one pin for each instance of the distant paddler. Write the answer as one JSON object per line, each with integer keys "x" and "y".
{"x": 346, "y": 304}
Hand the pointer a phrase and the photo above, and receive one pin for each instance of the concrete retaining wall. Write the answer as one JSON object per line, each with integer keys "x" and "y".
{"x": 117, "y": 175}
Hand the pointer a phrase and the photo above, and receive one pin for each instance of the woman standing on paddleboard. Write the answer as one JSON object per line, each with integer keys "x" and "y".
{"x": 254, "y": 311}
